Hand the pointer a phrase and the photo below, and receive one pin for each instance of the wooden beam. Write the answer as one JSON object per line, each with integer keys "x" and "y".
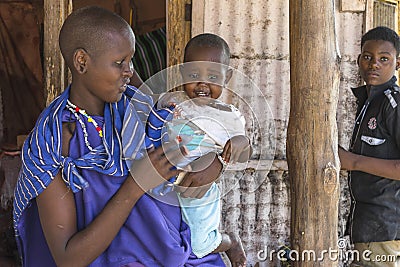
{"x": 369, "y": 15}
{"x": 352, "y": 5}
{"x": 178, "y": 30}
{"x": 312, "y": 132}
{"x": 55, "y": 70}
{"x": 198, "y": 16}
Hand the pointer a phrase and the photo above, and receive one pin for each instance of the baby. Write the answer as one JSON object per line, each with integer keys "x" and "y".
{"x": 207, "y": 127}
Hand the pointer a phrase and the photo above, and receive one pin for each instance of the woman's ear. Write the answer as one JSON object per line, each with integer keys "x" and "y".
{"x": 79, "y": 60}
{"x": 358, "y": 60}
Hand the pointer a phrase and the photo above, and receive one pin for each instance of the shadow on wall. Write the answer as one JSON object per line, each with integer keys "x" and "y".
{"x": 21, "y": 87}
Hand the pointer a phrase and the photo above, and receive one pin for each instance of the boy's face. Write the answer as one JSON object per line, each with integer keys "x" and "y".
{"x": 203, "y": 73}
{"x": 109, "y": 72}
{"x": 377, "y": 62}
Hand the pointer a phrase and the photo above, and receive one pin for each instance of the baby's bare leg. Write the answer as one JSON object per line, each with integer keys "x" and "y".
{"x": 232, "y": 246}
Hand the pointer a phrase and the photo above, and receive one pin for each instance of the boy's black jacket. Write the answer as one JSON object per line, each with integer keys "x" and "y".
{"x": 375, "y": 207}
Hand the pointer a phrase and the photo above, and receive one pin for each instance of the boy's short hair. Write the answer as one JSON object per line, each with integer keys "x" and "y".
{"x": 89, "y": 28}
{"x": 382, "y": 33}
{"x": 209, "y": 40}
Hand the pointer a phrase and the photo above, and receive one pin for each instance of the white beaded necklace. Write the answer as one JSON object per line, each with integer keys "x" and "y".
{"x": 75, "y": 110}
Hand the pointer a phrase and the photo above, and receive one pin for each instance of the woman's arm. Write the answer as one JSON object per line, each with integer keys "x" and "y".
{"x": 57, "y": 211}
{"x": 58, "y": 218}
{"x": 237, "y": 149}
{"x": 387, "y": 168}
{"x": 204, "y": 172}
{"x": 207, "y": 169}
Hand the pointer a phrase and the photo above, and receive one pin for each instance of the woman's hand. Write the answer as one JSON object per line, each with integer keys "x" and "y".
{"x": 205, "y": 171}
{"x": 237, "y": 149}
{"x": 157, "y": 166}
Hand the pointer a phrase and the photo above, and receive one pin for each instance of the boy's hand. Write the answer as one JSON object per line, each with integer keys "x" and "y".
{"x": 347, "y": 159}
{"x": 157, "y": 166}
{"x": 234, "y": 148}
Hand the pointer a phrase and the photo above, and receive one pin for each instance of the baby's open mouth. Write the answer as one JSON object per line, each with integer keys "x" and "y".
{"x": 202, "y": 94}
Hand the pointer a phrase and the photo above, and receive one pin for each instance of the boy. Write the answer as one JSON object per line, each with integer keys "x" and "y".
{"x": 205, "y": 126}
{"x": 374, "y": 175}
{"x": 76, "y": 203}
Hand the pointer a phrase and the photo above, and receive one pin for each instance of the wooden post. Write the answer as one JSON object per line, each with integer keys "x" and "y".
{"x": 178, "y": 34}
{"x": 312, "y": 133}
{"x": 368, "y": 15}
{"x": 178, "y": 29}
{"x": 198, "y": 16}
{"x": 55, "y": 70}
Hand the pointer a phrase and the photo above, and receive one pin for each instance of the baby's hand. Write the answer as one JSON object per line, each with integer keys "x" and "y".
{"x": 177, "y": 109}
{"x": 235, "y": 147}
{"x": 168, "y": 104}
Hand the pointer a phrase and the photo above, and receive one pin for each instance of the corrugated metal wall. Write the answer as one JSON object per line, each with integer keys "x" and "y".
{"x": 258, "y": 34}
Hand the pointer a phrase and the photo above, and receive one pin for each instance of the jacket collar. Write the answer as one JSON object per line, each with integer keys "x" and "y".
{"x": 361, "y": 92}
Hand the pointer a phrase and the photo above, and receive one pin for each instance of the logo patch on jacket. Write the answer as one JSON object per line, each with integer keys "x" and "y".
{"x": 372, "y": 123}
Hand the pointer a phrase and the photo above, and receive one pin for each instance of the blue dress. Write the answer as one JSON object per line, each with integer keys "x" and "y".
{"x": 153, "y": 235}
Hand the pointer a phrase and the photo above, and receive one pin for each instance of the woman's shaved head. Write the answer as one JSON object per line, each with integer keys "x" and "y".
{"x": 90, "y": 28}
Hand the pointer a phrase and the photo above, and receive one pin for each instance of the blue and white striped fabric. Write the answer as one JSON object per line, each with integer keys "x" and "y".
{"x": 41, "y": 153}
{"x": 134, "y": 128}
{"x": 155, "y": 124}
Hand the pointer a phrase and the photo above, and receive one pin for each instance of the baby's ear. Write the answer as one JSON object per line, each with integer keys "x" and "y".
{"x": 181, "y": 68}
{"x": 229, "y": 73}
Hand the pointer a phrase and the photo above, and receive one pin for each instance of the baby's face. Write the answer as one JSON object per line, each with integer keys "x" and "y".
{"x": 203, "y": 74}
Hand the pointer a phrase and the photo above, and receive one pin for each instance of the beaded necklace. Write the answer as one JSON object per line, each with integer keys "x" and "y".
{"x": 75, "y": 110}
